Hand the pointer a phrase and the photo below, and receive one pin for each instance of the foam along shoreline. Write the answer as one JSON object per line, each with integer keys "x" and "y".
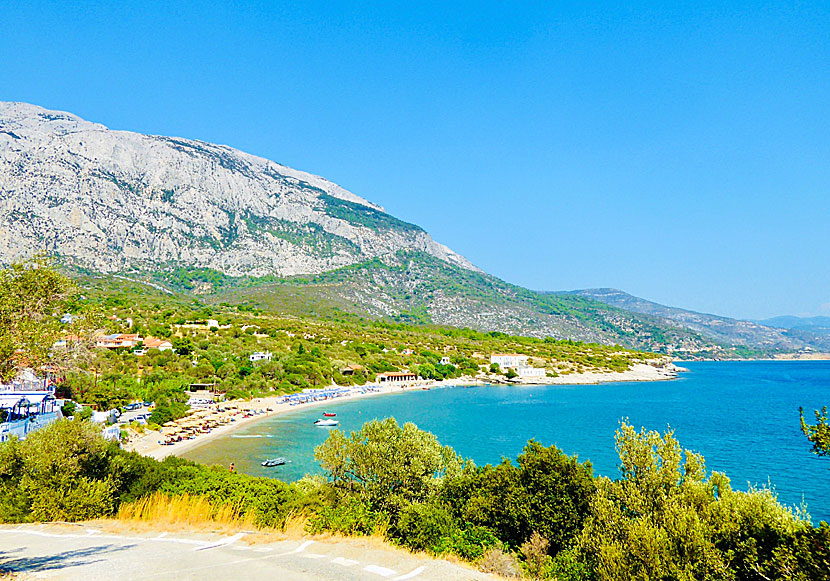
{"x": 260, "y": 408}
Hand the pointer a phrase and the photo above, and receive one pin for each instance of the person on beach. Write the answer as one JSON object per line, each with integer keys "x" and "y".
{"x": 231, "y": 467}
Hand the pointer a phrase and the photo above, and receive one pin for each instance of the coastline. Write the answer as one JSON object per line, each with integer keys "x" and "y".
{"x": 149, "y": 444}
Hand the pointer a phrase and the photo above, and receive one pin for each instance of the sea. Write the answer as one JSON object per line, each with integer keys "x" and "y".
{"x": 742, "y": 416}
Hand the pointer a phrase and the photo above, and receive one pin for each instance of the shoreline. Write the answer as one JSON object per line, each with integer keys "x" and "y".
{"x": 149, "y": 445}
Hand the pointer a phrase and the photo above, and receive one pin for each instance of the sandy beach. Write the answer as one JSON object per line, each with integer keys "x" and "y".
{"x": 246, "y": 412}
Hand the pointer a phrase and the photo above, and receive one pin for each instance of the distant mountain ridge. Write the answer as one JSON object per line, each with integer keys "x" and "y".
{"x": 793, "y": 322}
{"x": 725, "y": 330}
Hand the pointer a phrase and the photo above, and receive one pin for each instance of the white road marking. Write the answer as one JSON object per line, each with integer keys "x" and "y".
{"x": 303, "y": 547}
{"x": 411, "y": 574}
{"x": 162, "y": 535}
{"x": 313, "y": 556}
{"x": 344, "y": 562}
{"x": 221, "y": 543}
{"x": 263, "y": 549}
{"x": 382, "y": 571}
{"x": 112, "y": 537}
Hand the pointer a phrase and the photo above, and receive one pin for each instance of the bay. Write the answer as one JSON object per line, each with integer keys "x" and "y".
{"x": 741, "y": 415}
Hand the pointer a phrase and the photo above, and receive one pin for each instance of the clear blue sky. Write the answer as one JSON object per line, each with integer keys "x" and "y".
{"x": 678, "y": 152}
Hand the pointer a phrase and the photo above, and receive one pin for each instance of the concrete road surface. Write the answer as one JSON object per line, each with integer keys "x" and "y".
{"x": 84, "y": 552}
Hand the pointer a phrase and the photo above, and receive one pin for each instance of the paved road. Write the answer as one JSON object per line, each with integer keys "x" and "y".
{"x": 83, "y": 552}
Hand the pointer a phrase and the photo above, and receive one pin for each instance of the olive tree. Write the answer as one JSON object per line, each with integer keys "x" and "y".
{"x": 818, "y": 434}
{"x": 664, "y": 519}
{"x": 386, "y": 465}
{"x": 31, "y": 294}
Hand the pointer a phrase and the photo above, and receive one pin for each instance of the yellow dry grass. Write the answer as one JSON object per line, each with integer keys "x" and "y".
{"x": 185, "y": 512}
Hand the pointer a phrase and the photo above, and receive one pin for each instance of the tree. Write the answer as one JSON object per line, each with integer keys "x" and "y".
{"x": 663, "y": 519}
{"x": 548, "y": 492}
{"x": 386, "y": 465}
{"x": 183, "y": 346}
{"x": 818, "y": 434}
{"x": 30, "y": 294}
{"x": 61, "y": 472}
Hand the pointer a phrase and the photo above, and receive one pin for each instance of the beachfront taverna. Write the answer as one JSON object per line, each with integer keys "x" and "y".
{"x": 26, "y": 404}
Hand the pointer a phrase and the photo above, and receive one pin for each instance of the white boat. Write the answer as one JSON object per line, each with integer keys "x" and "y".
{"x": 326, "y": 422}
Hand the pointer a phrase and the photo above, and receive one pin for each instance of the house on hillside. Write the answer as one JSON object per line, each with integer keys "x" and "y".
{"x": 445, "y": 361}
{"x": 508, "y": 360}
{"x": 160, "y": 344}
{"x": 351, "y": 369}
{"x": 408, "y": 351}
{"x": 260, "y": 356}
{"x": 118, "y": 341}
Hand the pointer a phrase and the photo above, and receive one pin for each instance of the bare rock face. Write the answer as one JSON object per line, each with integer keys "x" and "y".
{"x": 115, "y": 201}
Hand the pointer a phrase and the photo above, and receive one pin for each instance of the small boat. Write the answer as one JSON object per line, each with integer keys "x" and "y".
{"x": 326, "y": 423}
{"x": 274, "y": 462}
{"x": 329, "y": 414}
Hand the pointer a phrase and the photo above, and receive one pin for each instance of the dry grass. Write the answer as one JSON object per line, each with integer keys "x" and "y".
{"x": 185, "y": 512}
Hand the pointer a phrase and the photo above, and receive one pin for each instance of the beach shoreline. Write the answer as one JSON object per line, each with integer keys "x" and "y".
{"x": 267, "y": 407}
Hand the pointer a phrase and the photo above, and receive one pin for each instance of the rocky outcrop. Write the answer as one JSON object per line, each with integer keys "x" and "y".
{"x": 117, "y": 201}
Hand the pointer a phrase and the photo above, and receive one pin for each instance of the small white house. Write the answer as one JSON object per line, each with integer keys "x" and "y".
{"x": 508, "y": 360}
{"x": 527, "y": 371}
{"x": 260, "y": 356}
{"x": 445, "y": 360}
{"x": 106, "y": 417}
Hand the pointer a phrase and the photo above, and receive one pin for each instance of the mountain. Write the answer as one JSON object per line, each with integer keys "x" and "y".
{"x": 757, "y": 335}
{"x": 115, "y": 201}
{"x": 209, "y": 220}
{"x": 793, "y": 322}
{"x": 814, "y": 331}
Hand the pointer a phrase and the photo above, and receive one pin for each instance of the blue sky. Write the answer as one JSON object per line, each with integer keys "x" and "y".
{"x": 679, "y": 152}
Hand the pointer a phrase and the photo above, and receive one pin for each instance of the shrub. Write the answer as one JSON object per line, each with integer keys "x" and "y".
{"x": 422, "y": 526}
{"x": 497, "y": 561}
{"x": 351, "y": 516}
{"x": 469, "y": 543}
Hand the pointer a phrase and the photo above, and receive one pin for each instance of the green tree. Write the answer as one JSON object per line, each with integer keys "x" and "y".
{"x": 818, "y": 434}
{"x": 58, "y": 473}
{"x": 183, "y": 346}
{"x": 30, "y": 294}
{"x": 386, "y": 465}
{"x": 663, "y": 519}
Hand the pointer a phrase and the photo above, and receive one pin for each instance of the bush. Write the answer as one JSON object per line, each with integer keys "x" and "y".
{"x": 469, "y": 543}
{"x": 351, "y": 516}
{"x": 422, "y": 526}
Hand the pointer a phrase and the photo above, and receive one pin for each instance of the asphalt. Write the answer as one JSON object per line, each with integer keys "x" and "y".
{"x": 85, "y": 552}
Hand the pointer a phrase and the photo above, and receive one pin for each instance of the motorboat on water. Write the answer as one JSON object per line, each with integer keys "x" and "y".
{"x": 329, "y": 414}
{"x": 326, "y": 422}
{"x": 274, "y": 462}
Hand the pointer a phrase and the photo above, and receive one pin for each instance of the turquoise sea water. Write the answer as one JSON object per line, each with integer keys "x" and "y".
{"x": 742, "y": 416}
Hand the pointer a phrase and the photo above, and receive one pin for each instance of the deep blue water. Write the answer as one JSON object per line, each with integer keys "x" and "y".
{"x": 742, "y": 416}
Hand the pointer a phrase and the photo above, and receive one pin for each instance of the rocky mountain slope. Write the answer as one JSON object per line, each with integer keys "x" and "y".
{"x": 210, "y": 220}
{"x": 720, "y": 329}
{"x": 115, "y": 201}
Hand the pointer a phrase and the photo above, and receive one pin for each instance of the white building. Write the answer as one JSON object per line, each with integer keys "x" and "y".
{"x": 260, "y": 356}
{"x": 508, "y": 360}
{"x": 526, "y": 371}
{"x": 445, "y": 360}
